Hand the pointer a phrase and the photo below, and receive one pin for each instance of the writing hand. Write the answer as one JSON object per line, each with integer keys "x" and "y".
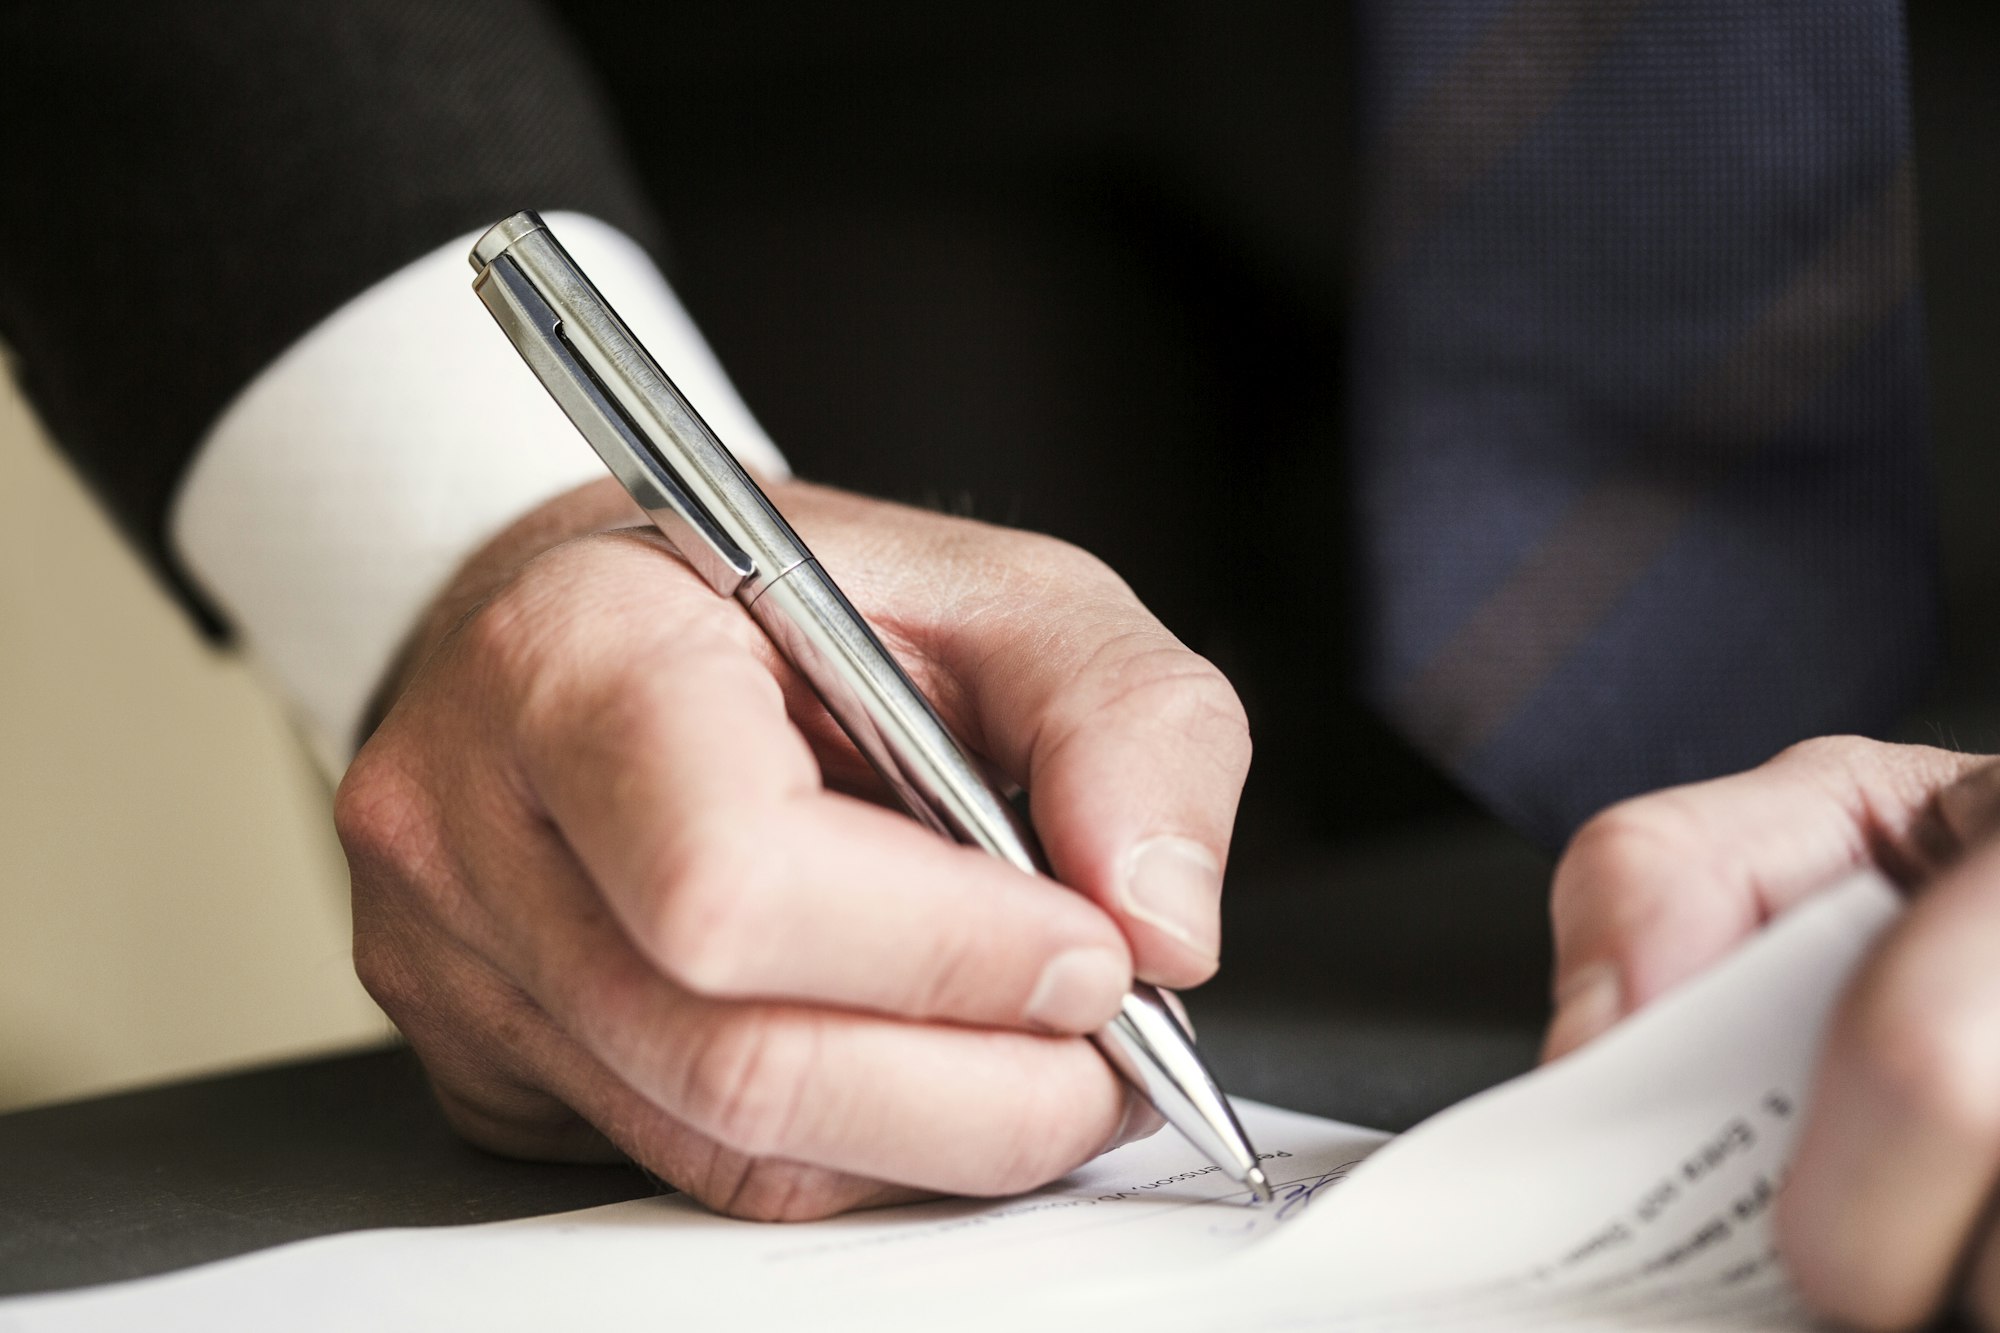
{"x": 1889, "y": 1208}
{"x": 624, "y": 886}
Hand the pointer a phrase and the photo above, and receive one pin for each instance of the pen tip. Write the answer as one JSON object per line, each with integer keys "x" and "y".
{"x": 1259, "y": 1184}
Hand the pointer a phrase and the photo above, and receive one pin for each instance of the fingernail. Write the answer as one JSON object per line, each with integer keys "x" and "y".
{"x": 1593, "y": 1000}
{"x": 1078, "y": 991}
{"x": 1176, "y": 885}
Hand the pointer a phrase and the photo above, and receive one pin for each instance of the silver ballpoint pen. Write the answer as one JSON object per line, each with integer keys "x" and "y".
{"x": 722, "y": 524}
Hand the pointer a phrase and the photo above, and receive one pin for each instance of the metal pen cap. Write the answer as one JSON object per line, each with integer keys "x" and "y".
{"x": 723, "y": 525}
{"x": 635, "y": 417}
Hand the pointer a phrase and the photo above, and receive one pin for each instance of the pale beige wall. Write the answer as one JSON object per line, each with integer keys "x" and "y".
{"x": 171, "y": 897}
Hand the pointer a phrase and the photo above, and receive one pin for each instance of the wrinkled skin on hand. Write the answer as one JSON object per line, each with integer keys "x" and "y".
{"x": 1888, "y": 1214}
{"x": 627, "y": 890}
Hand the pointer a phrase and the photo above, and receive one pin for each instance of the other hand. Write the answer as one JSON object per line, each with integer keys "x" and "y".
{"x": 626, "y": 889}
{"x": 1889, "y": 1210}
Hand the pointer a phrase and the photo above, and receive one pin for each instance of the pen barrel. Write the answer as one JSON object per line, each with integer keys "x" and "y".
{"x": 630, "y": 410}
{"x": 887, "y": 716}
{"x": 896, "y": 729}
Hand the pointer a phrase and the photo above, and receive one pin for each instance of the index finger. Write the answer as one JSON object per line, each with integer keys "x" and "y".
{"x": 1133, "y": 749}
{"x": 1657, "y": 888}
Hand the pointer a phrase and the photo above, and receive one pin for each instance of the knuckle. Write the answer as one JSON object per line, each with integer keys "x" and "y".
{"x": 746, "y": 1078}
{"x": 1621, "y": 842}
{"x": 1167, "y": 688}
{"x": 1209, "y": 709}
{"x": 709, "y": 922}
{"x": 1612, "y": 856}
{"x": 395, "y": 848}
{"x": 385, "y": 817}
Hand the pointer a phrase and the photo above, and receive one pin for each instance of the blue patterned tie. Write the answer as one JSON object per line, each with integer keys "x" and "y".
{"x": 1641, "y": 449}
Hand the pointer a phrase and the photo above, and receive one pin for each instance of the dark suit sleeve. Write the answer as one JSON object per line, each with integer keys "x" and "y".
{"x": 191, "y": 186}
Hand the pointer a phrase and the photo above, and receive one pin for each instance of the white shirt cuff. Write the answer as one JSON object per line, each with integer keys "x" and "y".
{"x": 341, "y": 489}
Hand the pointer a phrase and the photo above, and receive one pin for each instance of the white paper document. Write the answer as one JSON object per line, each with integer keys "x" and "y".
{"x": 1628, "y": 1186}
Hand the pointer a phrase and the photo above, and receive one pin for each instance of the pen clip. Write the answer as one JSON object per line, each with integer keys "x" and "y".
{"x": 536, "y": 331}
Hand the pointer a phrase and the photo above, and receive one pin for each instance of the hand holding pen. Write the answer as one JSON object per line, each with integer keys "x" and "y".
{"x": 607, "y": 880}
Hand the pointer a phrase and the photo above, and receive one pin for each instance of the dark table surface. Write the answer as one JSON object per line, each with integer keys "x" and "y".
{"x": 1375, "y": 988}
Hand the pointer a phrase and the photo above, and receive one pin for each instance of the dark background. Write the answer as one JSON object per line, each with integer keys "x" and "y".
{"x": 1083, "y": 268}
